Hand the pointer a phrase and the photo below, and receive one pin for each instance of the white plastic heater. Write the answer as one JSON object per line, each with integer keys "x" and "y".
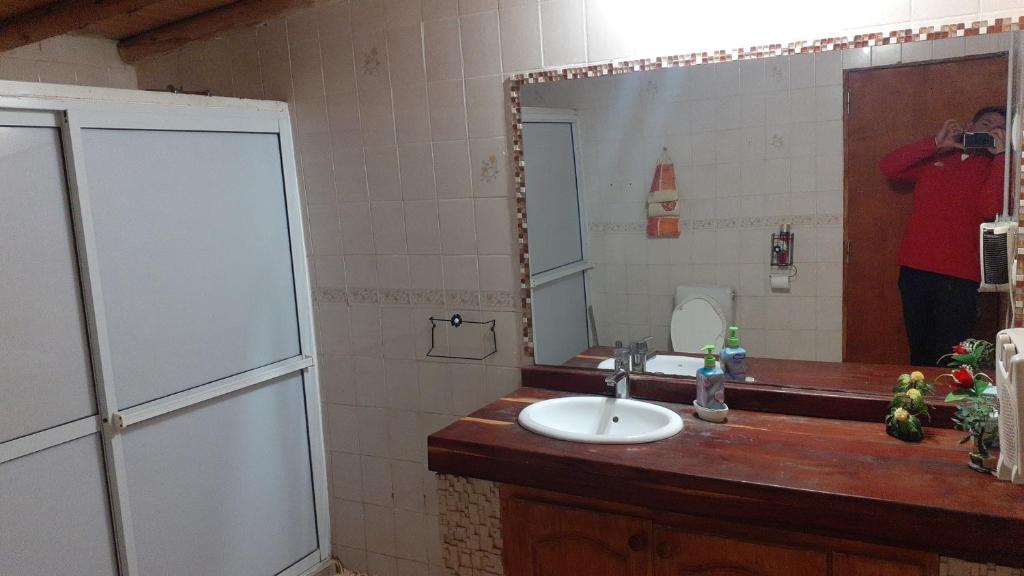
{"x": 997, "y": 243}
{"x": 1009, "y": 387}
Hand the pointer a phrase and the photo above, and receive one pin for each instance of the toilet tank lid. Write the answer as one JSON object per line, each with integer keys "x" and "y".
{"x": 723, "y": 295}
{"x": 697, "y": 322}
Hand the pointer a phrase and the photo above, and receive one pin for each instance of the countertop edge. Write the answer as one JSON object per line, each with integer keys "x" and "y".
{"x": 953, "y": 533}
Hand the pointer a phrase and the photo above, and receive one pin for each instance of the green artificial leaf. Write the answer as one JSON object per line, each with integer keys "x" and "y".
{"x": 958, "y": 396}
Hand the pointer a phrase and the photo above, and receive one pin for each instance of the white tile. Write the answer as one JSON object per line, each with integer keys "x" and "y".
{"x": 447, "y": 110}
{"x": 801, "y": 70}
{"x": 886, "y": 55}
{"x": 442, "y": 49}
{"x": 356, "y": 227}
{"x": 828, "y": 68}
{"x": 382, "y": 173}
{"x": 451, "y": 162}
{"x": 474, "y": 6}
{"x": 935, "y": 9}
{"x": 436, "y": 9}
{"x": 948, "y": 48}
{"x": 828, "y": 103}
{"x": 377, "y": 487}
{"x": 481, "y": 46}
{"x": 917, "y": 51}
{"x": 410, "y": 541}
{"x": 458, "y": 226}
{"x": 520, "y": 38}
{"x": 405, "y": 55}
{"x": 856, "y": 58}
{"x": 347, "y": 520}
{"x": 494, "y": 225}
{"x": 380, "y": 529}
{"x": 417, "y": 171}
{"x": 485, "y": 107}
{"x": 564, "y": 39}
{"x": 605, "y": 40}
{"x": 829, "y": 138}
{"x": 981, "y": 44}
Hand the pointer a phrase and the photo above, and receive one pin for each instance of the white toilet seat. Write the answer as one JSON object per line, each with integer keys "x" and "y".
{"x": 699, "y": 319}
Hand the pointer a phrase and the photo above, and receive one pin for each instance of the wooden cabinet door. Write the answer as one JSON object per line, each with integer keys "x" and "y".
{"x": 548, "y": 540}
{"x": 850, "y": 565}
{"x": 680, "y": 553}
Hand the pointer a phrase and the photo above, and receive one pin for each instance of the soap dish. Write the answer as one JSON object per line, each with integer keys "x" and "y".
{"x": 710, "y": 414}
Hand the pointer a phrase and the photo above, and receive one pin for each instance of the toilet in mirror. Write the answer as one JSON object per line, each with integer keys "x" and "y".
{"x": 846, "y": 210}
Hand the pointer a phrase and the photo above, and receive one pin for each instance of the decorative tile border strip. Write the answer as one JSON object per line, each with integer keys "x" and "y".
{"x": 725, "y": 223}
{"x": 498, "y": 299}
{"x": 363, "y": 296}
{"x": 462, "y": 298}
{"x": 423, "y": 297}
{"x": 484, "y": 299}
{"x": 395, "y": 296}
{"x": 331, "y": 295}
{"x": 516, "y": 82}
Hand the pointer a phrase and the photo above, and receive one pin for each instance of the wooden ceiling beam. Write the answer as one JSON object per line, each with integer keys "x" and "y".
{"x": 61, "y": 17}
{"x": 206, "y": 25}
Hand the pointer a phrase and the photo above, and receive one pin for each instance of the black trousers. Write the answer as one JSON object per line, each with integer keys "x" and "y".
{"x": 939, "y": 311}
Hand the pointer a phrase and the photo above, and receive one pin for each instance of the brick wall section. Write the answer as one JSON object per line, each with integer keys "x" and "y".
{"x": 470, "y": 526}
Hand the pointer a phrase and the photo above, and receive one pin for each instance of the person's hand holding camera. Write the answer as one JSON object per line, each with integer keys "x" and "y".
{"x": 950, "y": 136}
{"x": 999, "y": 141}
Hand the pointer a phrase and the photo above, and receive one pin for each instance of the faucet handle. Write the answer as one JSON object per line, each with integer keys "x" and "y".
{"x": 622, "y": 358}
{"x": 609, "y": 380}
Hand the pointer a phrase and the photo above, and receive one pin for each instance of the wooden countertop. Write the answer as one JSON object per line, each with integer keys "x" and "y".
{"x": 804, "y": 374}
{"x": 831, "y": 477}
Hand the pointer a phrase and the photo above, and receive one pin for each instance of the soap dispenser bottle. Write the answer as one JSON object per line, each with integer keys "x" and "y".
{"x": 734, "y": 358}
{"x": 710, "y": 402}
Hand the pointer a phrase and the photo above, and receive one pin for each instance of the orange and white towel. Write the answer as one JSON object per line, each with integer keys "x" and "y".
{"x": 663, "y": 201}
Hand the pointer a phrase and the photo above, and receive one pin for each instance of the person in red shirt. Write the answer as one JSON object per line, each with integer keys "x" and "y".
{"x": 955, "y": 190}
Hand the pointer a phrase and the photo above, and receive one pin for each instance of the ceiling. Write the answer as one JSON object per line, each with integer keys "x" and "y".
{"x": 142, "y": 27}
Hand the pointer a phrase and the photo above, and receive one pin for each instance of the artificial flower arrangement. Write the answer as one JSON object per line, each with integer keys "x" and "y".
{"x": 977, "y": 411}
{"x": 908, "y": 407}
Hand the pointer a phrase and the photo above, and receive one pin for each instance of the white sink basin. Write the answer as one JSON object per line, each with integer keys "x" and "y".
{"x": 600, "y": 420}
{"x": 665, "y": 364}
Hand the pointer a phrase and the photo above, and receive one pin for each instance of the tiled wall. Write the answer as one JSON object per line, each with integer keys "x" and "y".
{"x": 69, "y": 59}
{"x": 400, "y": 124}
{"x": 400, "y": 132}
{"x": 755, "y": 143}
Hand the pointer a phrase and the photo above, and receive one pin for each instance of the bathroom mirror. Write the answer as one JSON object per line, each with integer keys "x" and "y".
{"x": 801, "y": 197}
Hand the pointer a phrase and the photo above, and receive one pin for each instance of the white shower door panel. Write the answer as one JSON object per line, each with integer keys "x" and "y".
{"x": 224, "y": 487}
{"x": 44, "y": 351}
{"x": 192, "y": 245}
{"x": 54, "y": 513}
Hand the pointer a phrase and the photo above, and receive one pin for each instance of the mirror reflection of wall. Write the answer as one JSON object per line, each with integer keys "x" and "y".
{"x": 755, "y": 144}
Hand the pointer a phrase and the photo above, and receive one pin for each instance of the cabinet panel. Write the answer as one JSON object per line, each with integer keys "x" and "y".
{"x": 850, "y": 565}
{"x": 680, "y": 553}
{"x": 548, "y": 540}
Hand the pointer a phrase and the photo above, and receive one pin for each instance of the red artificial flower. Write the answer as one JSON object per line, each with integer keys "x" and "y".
{"x": 961, "y": 349}
{"x": 962, "y": 378}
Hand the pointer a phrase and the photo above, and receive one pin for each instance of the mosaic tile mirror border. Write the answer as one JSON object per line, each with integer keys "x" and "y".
{"x": 517, "y": 82}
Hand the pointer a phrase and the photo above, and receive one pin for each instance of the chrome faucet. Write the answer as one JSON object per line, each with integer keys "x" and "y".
{"x": 619, "y": 379}
{"x": 639, "y": 354}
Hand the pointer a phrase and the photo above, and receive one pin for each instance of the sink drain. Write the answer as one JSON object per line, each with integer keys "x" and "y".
{"x": 615, "y": 419}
